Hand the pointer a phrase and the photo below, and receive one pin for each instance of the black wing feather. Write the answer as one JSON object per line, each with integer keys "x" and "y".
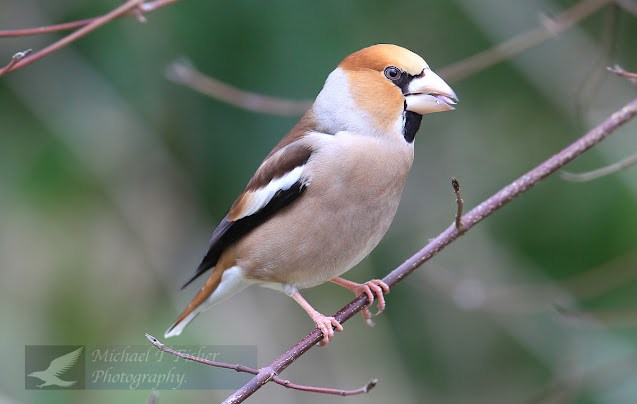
{"x": 228, "y": 232}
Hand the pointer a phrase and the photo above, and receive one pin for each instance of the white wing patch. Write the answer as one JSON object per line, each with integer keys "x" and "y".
{"x": 256, "y": 200}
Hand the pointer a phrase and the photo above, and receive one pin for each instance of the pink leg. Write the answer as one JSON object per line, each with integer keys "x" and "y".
{"x": 325, "y": 324}
{"x": 375, "y": 286}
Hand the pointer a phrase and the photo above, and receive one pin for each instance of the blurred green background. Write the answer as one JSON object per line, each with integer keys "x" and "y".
{"x": 112, "y": 179}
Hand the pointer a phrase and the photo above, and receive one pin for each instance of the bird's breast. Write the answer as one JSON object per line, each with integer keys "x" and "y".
{"x": 354, "y": 189}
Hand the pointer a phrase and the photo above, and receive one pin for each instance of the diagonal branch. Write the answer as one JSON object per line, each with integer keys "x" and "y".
{"x": 504, "y": 196}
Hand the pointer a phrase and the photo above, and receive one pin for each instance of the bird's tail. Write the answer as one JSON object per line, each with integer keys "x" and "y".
{"x": 224, "y": 282}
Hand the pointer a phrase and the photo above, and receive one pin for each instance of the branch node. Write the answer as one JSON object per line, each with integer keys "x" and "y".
{"x": 14, "y": 59}
{"x": 20, "y": 55}
{"x": 139, "y": 14}
{"x": 269, "y": 373}
{"x": 155, "y": 342}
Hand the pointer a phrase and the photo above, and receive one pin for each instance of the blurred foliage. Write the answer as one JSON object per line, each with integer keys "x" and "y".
{"x": 112, "y": 178}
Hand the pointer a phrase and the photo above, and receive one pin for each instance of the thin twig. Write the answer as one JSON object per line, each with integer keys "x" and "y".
{"x": 472, "y": 218}
{"x": 91, "y": 25}
{"x": 183, "y": 72}
{"x": 600, "y": 172}
{"x": 240, "y": 368}
{"x": 144, "y": 8}
{"x": 46, "y": 29}
{"x": 618, "y": 70}
{"x": 456, "y": 188}
{"x": 520, "y": 43}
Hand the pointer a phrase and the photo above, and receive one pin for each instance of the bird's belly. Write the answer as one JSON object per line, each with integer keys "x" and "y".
{"x": 324, "y": 237}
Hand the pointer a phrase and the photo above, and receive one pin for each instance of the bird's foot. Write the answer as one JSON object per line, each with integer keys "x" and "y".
{"x": 370, "y": 288}
{"x": 326, "y": 325}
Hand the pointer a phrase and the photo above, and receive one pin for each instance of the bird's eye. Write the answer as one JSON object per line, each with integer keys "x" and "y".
{"x": 392, "y": 73}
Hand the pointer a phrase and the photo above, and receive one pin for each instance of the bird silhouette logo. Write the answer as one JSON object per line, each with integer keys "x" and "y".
{"x": 60, "y": 365}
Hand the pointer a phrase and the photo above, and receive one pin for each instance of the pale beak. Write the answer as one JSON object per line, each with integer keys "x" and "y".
{"x": 429, "y": 93}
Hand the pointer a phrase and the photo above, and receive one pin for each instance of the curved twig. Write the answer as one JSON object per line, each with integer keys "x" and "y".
{"x": 600, "y": 172}
{"x": 240, "y": 368}
{"x": 183, "y": 72}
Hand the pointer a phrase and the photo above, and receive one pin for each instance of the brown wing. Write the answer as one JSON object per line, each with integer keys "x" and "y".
{"x": 279, "y": 181}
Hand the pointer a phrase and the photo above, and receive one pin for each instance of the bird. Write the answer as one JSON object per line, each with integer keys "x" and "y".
{"x": 324, "y": 197}
{"x": 58, "y": 366}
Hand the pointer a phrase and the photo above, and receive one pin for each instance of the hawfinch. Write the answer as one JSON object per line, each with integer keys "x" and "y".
{"x": 326, "y": 194}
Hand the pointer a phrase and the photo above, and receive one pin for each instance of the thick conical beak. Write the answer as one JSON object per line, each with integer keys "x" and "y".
{"x": 429, "y": 93}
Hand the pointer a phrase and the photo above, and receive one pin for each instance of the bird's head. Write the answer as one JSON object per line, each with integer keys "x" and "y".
{"x": 381, "y": 89}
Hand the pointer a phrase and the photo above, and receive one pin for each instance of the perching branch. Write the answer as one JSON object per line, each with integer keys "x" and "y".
{"x": 472, "y": 218}
{"x": 88, "y": 25}
{"x": 275, "y": 379}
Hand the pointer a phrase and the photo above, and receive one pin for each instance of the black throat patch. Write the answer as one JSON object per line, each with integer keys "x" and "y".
{"x": 411, "y": 125}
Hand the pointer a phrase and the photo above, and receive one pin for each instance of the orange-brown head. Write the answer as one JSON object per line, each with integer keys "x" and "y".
{"x": 379, "y": 90}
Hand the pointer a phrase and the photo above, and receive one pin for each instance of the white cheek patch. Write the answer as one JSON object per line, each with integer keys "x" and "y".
{"x": 261, "y": 197}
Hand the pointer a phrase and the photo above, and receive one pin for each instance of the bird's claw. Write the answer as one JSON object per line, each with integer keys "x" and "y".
{"x": 327, "y": 326}
{"x": 371, "y": 288}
